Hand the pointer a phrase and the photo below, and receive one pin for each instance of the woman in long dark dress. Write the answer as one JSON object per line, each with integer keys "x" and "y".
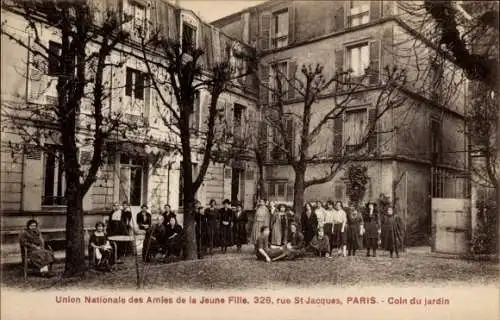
{"x": 371, "y": 223}
{"x": 226, "y": 225}
{"x": 213, "y": 224}
{"x": 392, "y": 232}
{"x": 309, "y": 223}
{"x": 354, "y": 225}
{"x": 143, "y": 218}
{"x": 200, "y": 229}
{"x": 240, "y": 227}
{"x": 155, "y": 240}
{"x": 31, "y": 239}
{"x": 101, "y": 248}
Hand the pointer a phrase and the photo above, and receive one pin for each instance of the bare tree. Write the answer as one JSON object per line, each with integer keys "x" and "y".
{"x": 178, "y": 78}
{"x": 342, "y": 89}
{"x": 79, "y": 114}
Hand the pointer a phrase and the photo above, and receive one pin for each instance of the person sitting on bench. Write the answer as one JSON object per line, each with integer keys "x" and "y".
{"x": 33, "y": 244}
{"x": 101, "y": 248}
{"x": 174, "y": 236}
{"x": 155, "y": 240}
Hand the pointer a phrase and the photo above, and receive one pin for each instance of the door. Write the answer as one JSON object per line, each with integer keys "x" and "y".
{"x": 451, "y": 225}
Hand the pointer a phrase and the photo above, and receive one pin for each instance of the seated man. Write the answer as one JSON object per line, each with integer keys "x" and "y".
{"x": 295, "y": 243}
{"x": 154, "y": 241}
{"x": 174, "y": 236}
{"x": 143, "y": 218}
{"x": 262, "y": 249}
{"x": 320, "y": 244}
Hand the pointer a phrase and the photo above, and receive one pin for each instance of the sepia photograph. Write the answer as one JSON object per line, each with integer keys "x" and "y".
{"x": 246, "y": 159}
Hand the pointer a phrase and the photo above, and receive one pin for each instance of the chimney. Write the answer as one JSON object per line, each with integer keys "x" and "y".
{"x": 245, "y": 18}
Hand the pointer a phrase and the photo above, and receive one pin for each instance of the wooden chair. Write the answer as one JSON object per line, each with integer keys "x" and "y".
{"x": 26, "y": 261}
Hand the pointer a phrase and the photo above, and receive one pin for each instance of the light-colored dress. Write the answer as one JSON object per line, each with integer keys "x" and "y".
{"x": 276, "y": 234}
{"x": 321, "y": 215}
{"x": 261, "y": 219}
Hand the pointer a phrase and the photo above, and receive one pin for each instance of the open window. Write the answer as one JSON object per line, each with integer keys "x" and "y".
{"x": 359, "y": 13}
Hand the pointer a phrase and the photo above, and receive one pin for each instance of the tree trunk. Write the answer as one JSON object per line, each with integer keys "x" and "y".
{"x": 298, "y": 192}
{"x": 75, "y": 244}
{"x": 261, "y": 187}
{"x": 190, "y": 250}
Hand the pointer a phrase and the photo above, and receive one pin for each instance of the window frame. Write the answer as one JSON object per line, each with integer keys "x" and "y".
{"x": 276, "y": 37}
{"x": 58, "y": 198}
{"x": 131, "y": 164}
{"x": 130, "y": 9}
{"x": 284, "y": 84}
{"x": 360, "y": 15}
{"x": 348, "y": 61}
{"x": 131, "y": 100}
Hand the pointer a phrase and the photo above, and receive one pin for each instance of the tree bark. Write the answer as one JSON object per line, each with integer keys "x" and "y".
{"x": 75, "y": 246}
{"x": 298, "y": 192}
{"x": 190, "y": 250}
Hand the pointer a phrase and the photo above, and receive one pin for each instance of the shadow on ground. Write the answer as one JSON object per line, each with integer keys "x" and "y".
{"x": 241, "y": 270}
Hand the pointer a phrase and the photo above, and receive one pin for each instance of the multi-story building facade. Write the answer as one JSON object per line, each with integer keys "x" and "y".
{"x": 423, "y": 139}
{"x": 139, "y": 168}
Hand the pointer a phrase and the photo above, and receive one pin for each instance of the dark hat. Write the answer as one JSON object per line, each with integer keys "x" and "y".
{"x": 226, "y": 201}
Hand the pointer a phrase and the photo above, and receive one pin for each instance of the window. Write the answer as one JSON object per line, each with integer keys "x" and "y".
{"x": 136, "y": 11}
{"x": 136, "y": 86}
{"x": 359, "y": 13}
{"x": 280, "y": 190}
{"x": 132, "y": 175}
{"x": 283, "y": 144}
{"x": 188, "y": 38}
{"x": 238, "y": 112}
{"x": 355, "y": 126}
{"x": 194, "y": 167}
{"x": 54, "y": 57}
{"x": 54, "y": 184}
{"x": 279, "y": 72}
{"x": 358, "y": 59}
{"x": 280, "y": 29}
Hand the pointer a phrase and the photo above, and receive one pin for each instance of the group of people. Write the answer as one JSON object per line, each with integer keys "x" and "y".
{"x": 326, "y": 229}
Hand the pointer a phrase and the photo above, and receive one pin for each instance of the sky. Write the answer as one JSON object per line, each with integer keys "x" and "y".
{"x": 209, "y": 10}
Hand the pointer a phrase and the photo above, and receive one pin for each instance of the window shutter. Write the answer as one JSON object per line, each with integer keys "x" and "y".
{"x": 289, "y": 191}
{"x": 339, "y": 60}
{"x": 372, "y": 139}
{"x": 387, "y": 8}
{"x": 337, "y": 136}
{"x": 216, "y": 45}
{"x": 196, "y": 113}
{"x": 387, "y": 47}
{"x": 139, "y": 85}
{"x": 204, "y": 113}
{"x": 375, "y": 10}
{"x": 264, "y": 80}
{"x": 128, "y": 82}
{"x": 290, "y": 133}
{"x": 38, "y": 83}
{"x": 374, "y": 62}
{"x": 265, "y": 30}
{"x": 229, "y": 107}
{"x": 263, "y": 141}
{"x": 173, "y": 16}
{"x": 292, "y": 70}
{"x": 339, "y": 19}
{"x": 147, "y": 98}
{"x": 291, "y": 23}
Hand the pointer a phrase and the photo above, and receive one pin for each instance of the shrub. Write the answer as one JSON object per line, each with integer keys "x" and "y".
{"x": 485, "y": 238}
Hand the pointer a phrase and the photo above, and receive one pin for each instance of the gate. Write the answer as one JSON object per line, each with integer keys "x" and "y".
{"x": 451, "y": 212}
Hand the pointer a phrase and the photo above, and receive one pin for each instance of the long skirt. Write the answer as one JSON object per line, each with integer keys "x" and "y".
{"x": 174, "y": 246}
{"x": 212, "y": 234}
{"x": 226, "y": 236}
{"x": 240, "y": 233}
{"x": 276, "y": 235}
{"x": 353, "y": 237}
{"x": 339, "y": 237}
{"x": 256, "y": 229}
{"x": 41, "y": 258}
